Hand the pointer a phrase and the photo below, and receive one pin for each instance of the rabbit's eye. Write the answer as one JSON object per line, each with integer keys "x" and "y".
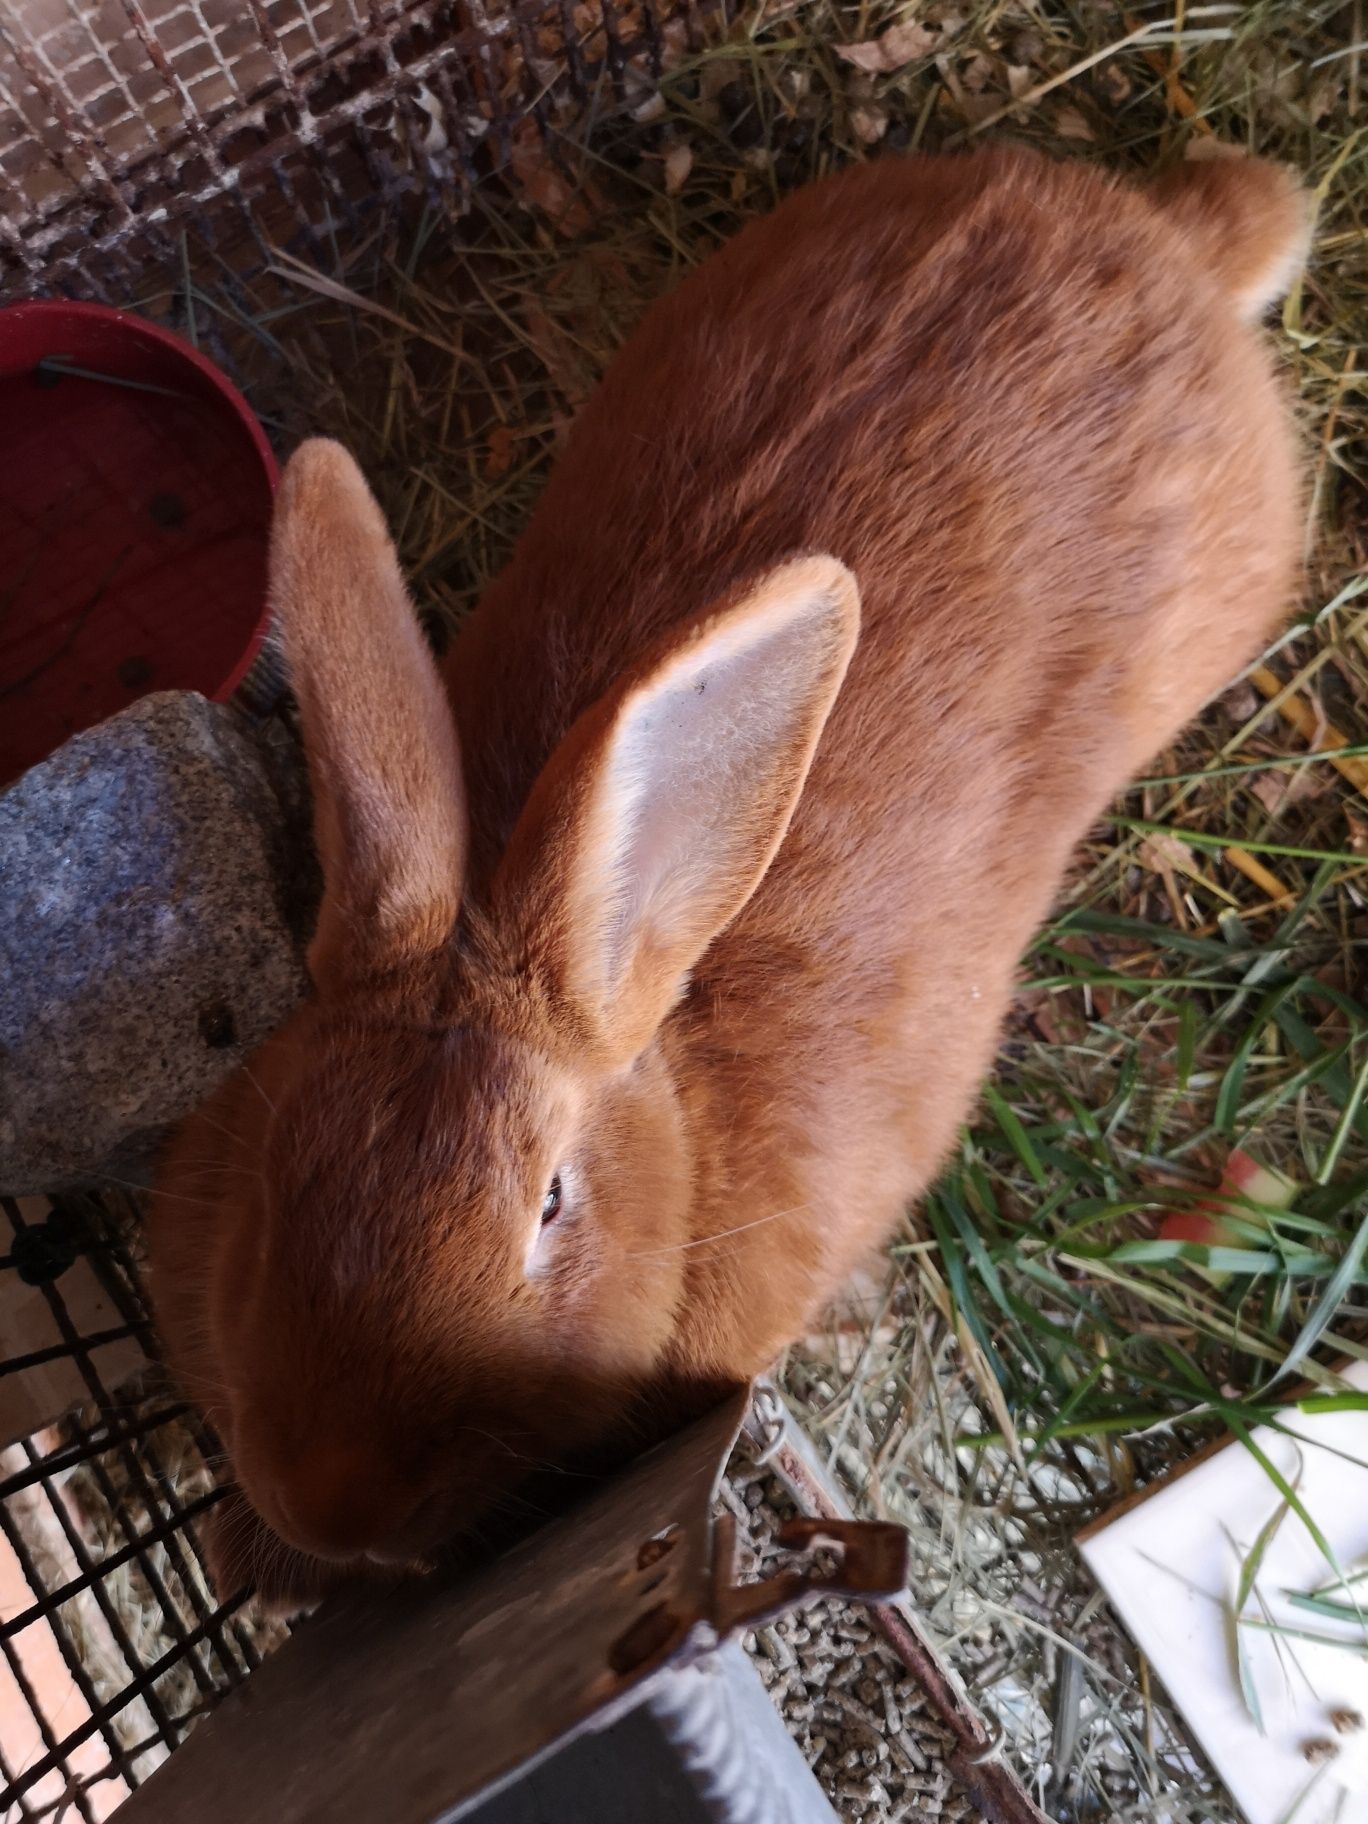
{"x": 551, "y": 1203}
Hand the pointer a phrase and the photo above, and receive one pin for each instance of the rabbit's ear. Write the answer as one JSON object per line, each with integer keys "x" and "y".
{"x": 655, "y": 820}
{"x": 389, "y": 804}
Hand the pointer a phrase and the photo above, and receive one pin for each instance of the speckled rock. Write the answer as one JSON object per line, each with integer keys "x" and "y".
{"x": 156, "y": 891}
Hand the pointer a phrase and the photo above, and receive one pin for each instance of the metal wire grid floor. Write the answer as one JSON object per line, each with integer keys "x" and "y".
{"x": 138, "y": 1460}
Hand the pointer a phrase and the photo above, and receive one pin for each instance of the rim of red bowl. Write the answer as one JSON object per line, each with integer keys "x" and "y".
{"x": 133, "y": 324}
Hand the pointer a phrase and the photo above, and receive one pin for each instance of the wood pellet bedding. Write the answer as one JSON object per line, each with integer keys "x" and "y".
{"x": 863, "y": 1724}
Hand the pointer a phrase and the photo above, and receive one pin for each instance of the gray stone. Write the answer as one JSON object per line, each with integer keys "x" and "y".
{"x": 157, "y": 884}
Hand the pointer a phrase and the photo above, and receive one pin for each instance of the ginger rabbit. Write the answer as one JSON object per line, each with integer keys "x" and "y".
{"x": 669, "y": 927}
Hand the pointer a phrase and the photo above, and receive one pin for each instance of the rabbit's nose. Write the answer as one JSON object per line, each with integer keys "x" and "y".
{"x": 339, "y": 1501}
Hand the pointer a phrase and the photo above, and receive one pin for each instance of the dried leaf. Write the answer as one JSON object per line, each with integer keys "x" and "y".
{"x": 1038, "y": 1013}
{"x": 1161, "y": 852}
{"x": 500, "y": 457}
{"x": 1024, "y": 46}
{"x": 868, "y": 125}
{"x": 1270, "y": 789}
{"x": 1324, "y": 97}
{"x": 719, "y": 73}
{"x": 568, "y": 207}
{"x": 1278, "y": 792}
{"x": 891, "y": 50}
{"x": 1070, "y": 124}
{"x": 1019, "y": 79}
{"x": 1112, "y": 83}
{"x": 678, "y": 164}
{"x": 557, "y": 354}
{"x": 1240, "y": 702}
{"x": 977, "y": 74}
{"x": 977, "y": 107}
{"x": 432, "y": 134}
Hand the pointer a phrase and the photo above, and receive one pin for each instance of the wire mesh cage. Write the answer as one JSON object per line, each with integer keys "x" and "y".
{"x": 111, "y": 1642}
{"x": 126, "y": 123}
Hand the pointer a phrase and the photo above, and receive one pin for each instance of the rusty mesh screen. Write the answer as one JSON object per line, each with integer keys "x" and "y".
{"x": 150, "y": 130}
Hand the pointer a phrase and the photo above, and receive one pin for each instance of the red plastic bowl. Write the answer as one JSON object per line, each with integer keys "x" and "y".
{"x": 135, "y": 507}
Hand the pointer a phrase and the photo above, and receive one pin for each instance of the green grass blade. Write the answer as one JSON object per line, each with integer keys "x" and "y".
{"x": 1348, "y": 1117}
{"x": 1323, "y": 1312}
{"x": 1016, "y": 1136}
{"x": 1289, "y": 1494}
{"x": 1250, "y": 1566}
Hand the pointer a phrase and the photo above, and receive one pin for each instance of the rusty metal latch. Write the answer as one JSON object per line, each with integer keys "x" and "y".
{"x": 872, "y": 1567}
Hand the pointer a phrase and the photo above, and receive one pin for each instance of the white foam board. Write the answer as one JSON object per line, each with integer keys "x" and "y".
{"x": 1170, "y": 1566}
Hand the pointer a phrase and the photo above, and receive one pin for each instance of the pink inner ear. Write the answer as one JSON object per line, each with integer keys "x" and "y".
{"x": 703, "y": 770}
{"x": 656, "y": 817}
